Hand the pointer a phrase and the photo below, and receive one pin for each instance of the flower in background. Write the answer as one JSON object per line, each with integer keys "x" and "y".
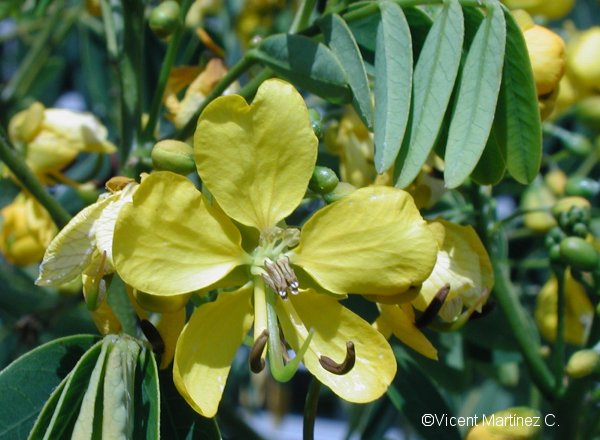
{"x": 579, "y": 311}
{"x": 26, "y": 230}
{"x": 51, "y": 139}
{"x": 256, "y": 162}
{"x": 549, "y": 9}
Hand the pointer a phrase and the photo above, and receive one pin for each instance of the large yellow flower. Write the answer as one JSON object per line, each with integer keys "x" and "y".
{"x": 256, "y": 162}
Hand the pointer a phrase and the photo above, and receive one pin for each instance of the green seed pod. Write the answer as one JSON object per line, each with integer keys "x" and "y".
{"x": 164, "y": 19}
{"x": 340, "y": 191}
{"x": 175, "y": 156}
{"x": 578, "y": 253}
{"x": 583, "y": 363}
{"x": 567, "y": 203}
{"x": 323, "y": 180}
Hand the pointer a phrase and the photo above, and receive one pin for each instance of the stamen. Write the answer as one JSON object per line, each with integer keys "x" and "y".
{"x": 343, "y": 368}
{"x": 288, "y": 273}
{"x": 433, "y": 308}
{"x": 256, "y": 361}
{"x": 153, "y": 336}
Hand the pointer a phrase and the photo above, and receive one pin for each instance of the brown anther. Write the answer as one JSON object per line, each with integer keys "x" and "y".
{"x": 290, "y": 277}
{"x": 256, "y": 361}
{"x": 346, "y": 365}
{"x": 433, "y": 308}
{"x": 151, "y": 333}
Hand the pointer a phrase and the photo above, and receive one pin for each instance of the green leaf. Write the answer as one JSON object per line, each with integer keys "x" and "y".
{"x": 434, "y": 78}
{"x": 306, "y": 63}
{"x": 339, "y": 38}
{"x": 477, "y": 97}
{"x": 147, "y": 398}
{"x": 179, "y": 420}
{"x": 491, "y": 167}
{"x": 413, "y": 394}
{"x": 393, "y": 77}
{"x": 517, "y": 116}
{"x": 26, "y": 384}
{"x": 66, "y": 409}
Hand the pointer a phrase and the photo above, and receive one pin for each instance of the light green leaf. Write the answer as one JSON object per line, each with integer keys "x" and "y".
{"x": 339, "y": 38}
{"x": 491, "y": 167}
{"x": 517, "y": 116}
{"x": 147, "y": 398}
{"x": 26, "y": 384}
{"x": 393, "y": 77}
{"x": 434, "y": 78}
{"x": 306, "y": 63}
{"x": 67, "y": 407}
{"x": 477, "y": 97}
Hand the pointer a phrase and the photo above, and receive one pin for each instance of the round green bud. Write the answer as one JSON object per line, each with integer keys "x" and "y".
{"x": 580, "y": 230}
{"x": 175, "y": 156}
{"x": 323, "y": 180}
{"x": 578, "y": 253}
{"x": 583, "y": 363}
{"x": 582, "y": 187}
{"x": 565, "y": 204}
{"x": 340, "y": 191}
{"x": 315, "y": 122}
{"x": 164, "y": 19}
{"x": 554, "y": 253}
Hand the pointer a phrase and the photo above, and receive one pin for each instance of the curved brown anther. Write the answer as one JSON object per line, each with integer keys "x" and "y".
{"x": 346, "y": 365}
{"x": 256, "y": 361}
{"x": 151, "y": 333}
{"x": 288, "y": 273}
{"x": 433, "y": 308}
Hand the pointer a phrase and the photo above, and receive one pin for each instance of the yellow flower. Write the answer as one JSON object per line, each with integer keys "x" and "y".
{"x": 52, "y": 138}
{"x": 462, "y": 263}
{"x": 256, "y": 162}
{"x": 584, "y": 58}
{"x": 26, "y": 231}
{"x": 549, "y": 9}
{"x": 579, "y": 311}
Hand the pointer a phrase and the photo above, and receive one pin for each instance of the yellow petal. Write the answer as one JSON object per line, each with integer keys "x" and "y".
{"x": 373, "y": 241}
{"x": 206, "y": 348}
{"x": 333, "y": 326}
{"x": 169, "y": 326}
{"x": 257, "y": 160}
{"x": 462, "y": 262}
{"x": 169, "y": 240}
{"x": 402, "y": 325}
{"x": 71, "y": 250}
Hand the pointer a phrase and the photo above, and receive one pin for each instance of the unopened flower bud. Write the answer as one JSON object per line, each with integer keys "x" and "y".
{"x": 323, "y": 180}
{"x": 578, "y": 253}
{"x": 175, "y": 156}
{"x": 584, "y": 58}
{"x": 583, "y": 363}
{"x": 588, "y": 112}
{"x": 164, "y": 19}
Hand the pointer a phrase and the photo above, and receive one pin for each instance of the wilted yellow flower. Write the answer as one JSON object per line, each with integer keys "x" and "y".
{"x": 26, "y": 230}
{"x": 200, "y": 82}
{"x": 51, "y": 138}
{"x": 463, "y": 264}
{"x": 579, "y": 311}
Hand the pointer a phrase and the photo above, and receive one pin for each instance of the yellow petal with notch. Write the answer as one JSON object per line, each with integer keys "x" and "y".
{"x": 169, "y": 241}
{"x": 71, "y": 250}
{"x": 334, "y": 325}
{"x": 206, "y": 348}
{"x": 373, "y": 241}
{"x": 257, "y": 159}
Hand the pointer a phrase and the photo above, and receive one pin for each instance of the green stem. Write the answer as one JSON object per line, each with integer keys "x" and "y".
{"x": 302, "y": 16}
{"x": 234, "y": 73}
{"x": 310, "y": 409}
{"x": 507, "y": 298}
{"x": 165, "y": 71}
{"x": 35, "y": 59}
{"x": 31, "y": 183}
{"x": 559, "y": 342}
{"x": 249, "y": 90}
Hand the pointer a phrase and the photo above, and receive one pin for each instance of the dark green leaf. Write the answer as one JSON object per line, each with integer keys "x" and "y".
{"x": 306, "y": 63}
{"x": 434, "y": 78}
{"x": 477, "y": 97}
{"x": 393, "y": 77}
{"x": 8, "y": 191}
{"x": 517, "y": 116}
{"x": 491, "y": 167}
{"x": 414, "y": 395}
{"x": 28, "y": 382}
{"x": 339, "y": 38}
{"x": 121, "y": 305}
{"x": 67, "y": 408}
{"x": 178, "y": 419}
{"x": 147, "y": 398}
